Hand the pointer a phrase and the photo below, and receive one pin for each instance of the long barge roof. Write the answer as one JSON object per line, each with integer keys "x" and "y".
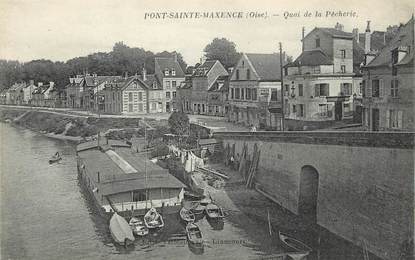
{"x": 121, "y": 169}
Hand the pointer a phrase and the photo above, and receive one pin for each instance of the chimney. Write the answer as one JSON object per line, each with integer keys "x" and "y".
{"x": 39, "y": 84}
{"x": 51, "y": 84}
{"x": 31, "y": 82}
{"x": 175, "y": 56}
{"x": 126, "y": 74}
{"x": 356, "y": 34}
{"x": 144, "y": 72}
{"x": 302, "y": 37}
{"x": 367, "y": 38}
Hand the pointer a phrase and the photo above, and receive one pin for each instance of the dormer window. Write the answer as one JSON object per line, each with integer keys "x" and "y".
{"x": 154, "y": 85}
{"x": 166, "y": 72}
{"x": 173, "y": 72}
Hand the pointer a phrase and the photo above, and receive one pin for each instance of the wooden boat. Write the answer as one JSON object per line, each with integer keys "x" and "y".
{"x": 294, "y": 243}
{"x": 187, "y": 215}
{"x": 192, "y": 196}
{"x": 55, "y": 158}
{"x": 120, "y": 230}
{"x": 138, "y": 227}
{"x": 152, "y": 219}
{"x": 214, "y": 212}
{"x": 194, "y": 235}
{"x": 197, "y": 208}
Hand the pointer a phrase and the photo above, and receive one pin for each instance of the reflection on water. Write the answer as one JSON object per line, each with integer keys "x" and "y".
{"x": 46, "y": 215}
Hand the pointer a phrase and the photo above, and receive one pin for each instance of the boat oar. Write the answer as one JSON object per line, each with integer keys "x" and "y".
{"x": 269, "y": 224}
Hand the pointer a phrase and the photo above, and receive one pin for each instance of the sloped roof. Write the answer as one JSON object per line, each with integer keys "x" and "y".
{"x": 404, "y": 37}
{"x": 162, "y": 64}
{"x": 204, "y": 68}
{"x": 150, "y": 80}
{"x": 311, "y": 58}
{"x": 335, "y": 33}
{"x": 123, "y": 83}
{"x": 221, "y": 84}
{"x": 41, "y": 89}
{"x": 17, "y": 86}
{"x": 267, "y": 66}
{"x": 93, "y": 81}
{"x": 378, "y": 40}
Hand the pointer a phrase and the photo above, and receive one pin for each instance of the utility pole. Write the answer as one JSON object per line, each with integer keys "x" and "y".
{"x": 282, "y": 91}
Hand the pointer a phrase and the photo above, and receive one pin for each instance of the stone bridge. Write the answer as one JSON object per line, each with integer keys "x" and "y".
{"x": 358, "y": 185}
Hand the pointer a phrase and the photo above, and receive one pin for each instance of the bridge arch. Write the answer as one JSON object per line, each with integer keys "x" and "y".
{"x": 308, "y": 195}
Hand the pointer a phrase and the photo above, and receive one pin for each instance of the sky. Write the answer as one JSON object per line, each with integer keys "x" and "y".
{"x": 63, "y": 29}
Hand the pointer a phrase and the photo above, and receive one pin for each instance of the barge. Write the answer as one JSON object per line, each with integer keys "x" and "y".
{"x": 123, "y": 181}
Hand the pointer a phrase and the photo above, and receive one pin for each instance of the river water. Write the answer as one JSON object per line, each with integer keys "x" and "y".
{"x": 46, "y": 215}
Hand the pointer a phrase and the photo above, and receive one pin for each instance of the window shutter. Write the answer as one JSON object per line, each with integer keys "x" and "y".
{"x": 317, "y": 90}
{"x": 327, "y": 90}
{"x": 400, "y": 119}
{"x": 381, "y": 88}
{"x": 388, "y": 115}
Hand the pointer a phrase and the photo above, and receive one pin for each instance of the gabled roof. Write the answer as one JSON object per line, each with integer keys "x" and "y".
{"x": 311, "y": 58}
{"x": 266, "y": 66}
{"x": 203, "y": 69}
{"x": 41, "y": 89}
{"x": 17, "y": 86}
{"x": 162, "y": 64}
{"x": 151, "y": 79}
{"x": 334, "y": 32}
{"x": 404, "y": 37}
{"x": 221, "y": 84}
{"x": 122, "y": 83}
{"x": 93, "y": 81}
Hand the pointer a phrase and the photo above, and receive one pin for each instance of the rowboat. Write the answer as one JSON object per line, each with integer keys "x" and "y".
{"x": 152, "y": 219}
{"x": 187, "y": 215}
{"x": 214, "y": 212}
{"x": 294, "y": 243}
{"x": 197, "y": 208}
{"x": 55, "y": 158}
{"x": 120, "y": 230}
{"x": 194, "y": 235}
{"x": 138, "y": 227}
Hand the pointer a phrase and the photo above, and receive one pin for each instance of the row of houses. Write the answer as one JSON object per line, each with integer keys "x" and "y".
{"x": 42, "y": 95}
{"x": 338, "y": 75}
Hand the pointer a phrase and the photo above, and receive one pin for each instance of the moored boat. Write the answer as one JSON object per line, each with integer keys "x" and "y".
{"x": 187, "y": 215}
{"x": 120, "y": 230}
{"x": 214, "y": 212}
{"x": 194, "y": 235}
{"x": 138, "y": 227}
{"x": 152, "y": 219}
{"x": 197, "y": 208}
{"x": 55, "y": 158}
{"x": 294, "y": 243}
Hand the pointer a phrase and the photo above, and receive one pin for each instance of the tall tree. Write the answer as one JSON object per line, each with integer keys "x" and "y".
{"x": 222, "y": 50}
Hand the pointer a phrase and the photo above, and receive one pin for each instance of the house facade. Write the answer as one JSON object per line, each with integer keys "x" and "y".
{"x": 205, "y": 91}
{"x": 125, "y": 96}
{"x": 170, "y": 75}
{"x": 254, "y": 91}
{"x": 44, "y": 95}
{"x": 388, "y": 85}
{"x": 322, "y": 82}
{"x": 74, "y": 92}
{"x": 27, "y": 92}
{"x": 15, "y": 94}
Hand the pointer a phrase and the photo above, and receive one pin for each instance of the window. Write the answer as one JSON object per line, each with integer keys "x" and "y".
{"x": 139, "y": 196}
{"x": 287, "y": 90}
{"x": 237, "y": 75}
{"x": 173, "y": 72}
{"x": 317, "y": 42}
{"x": 346, "y": 89}
{"x": 300, "y": 90}
{"x": 321, "y": 90}
{"x": 363, "y": 88}
{"x": 346, "y": 107}
{"x": 166, "y": 72}
{"x": 254, "y": 94}
{"x": 322, "y": 109}
{"x": 394, "y": 88}
{"x": 294, "y": 109}
{"x": 343, "y": 54}
{"x": 248, "y": 94}
{"x": 375, "y": 88}
{"x": 203, "y": 108}
{"x": 242, "y": 93}
{"x": 237, "y": 92}
{"x": 316, "y": 70}
{"x": 167, "y": 94}
{"x": 167, "y": 84}
{"x": 248, "y": 74}
{"x": 300, "y": 110}
{"x": 243, "y": 64}
{"x": 140, "y": 107}
{"x": 173, "y": 84}
{"x": 394, "y": 118}
{"x": 343, "y": 68}
{"x": 232, "y": 93}
{"x": 140, "y": 96}
{"x": 274, "y": 95}
{"x": 153, "y": 106}
{"x": 130, "y": 108}
{"x": 174, "y": 94}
